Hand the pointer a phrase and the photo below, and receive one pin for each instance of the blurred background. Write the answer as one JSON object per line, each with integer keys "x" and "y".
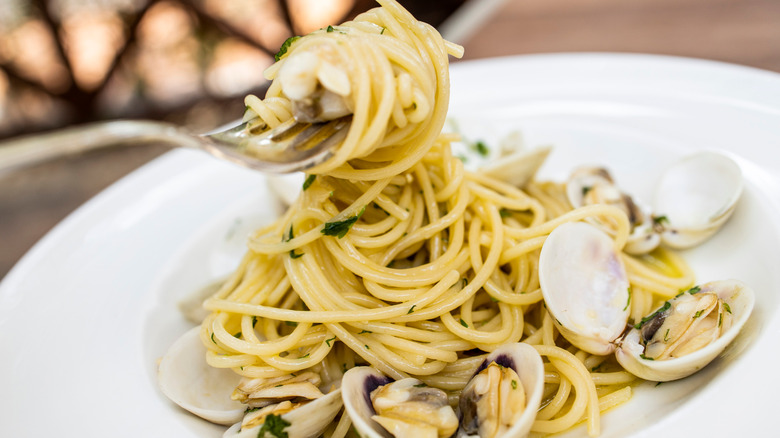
{"x": 190, "y": 62}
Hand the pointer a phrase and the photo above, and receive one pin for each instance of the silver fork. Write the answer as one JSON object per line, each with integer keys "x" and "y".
{"x": 290, "y": 147}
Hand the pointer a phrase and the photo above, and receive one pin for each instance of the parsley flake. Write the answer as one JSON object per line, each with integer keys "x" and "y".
{"x": 365, "y": 331}
{"x": 307, "y": 183}
{"x": 328, "y": 341}
{"x": 291, "y": 323}
{"x": 481, "y": 148}
{"x": 340, "y": 228}
{"x": 727, "y": 307}
{"x": 663, "y": 308}
{"x": 411, "y": 309}
{"x": 514, "y": 384}
{"x": 283, "y": 50}
{"x": 629, "y": 298}
{"x": 463, "y": 323}
{"x": 330, "y": 28}
{"x": 645, "y": 357}
{"x": 274, "y": 425}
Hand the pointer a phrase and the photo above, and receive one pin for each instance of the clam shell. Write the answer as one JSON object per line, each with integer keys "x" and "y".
{"x": 519, "y": 167}
{"x": 528, "y": 365}
{"x": 697, "y": 195}
{"x": 585, "y": 286}
{"x": 307, "y": 421}
{"x": 187, "y": 380}
{"x": 740, "y": 299}
{"x": 359, "y": 382}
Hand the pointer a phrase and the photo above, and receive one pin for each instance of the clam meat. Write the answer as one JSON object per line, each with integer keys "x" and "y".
{"x": 500, "y": 400}
{"x": 586, "y": 292}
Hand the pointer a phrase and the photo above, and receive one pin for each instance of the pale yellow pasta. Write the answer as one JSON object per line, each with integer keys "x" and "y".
{"x": 397, "y": 257}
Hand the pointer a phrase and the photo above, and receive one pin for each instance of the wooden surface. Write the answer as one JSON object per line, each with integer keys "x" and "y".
{"x": 739, "y": 31}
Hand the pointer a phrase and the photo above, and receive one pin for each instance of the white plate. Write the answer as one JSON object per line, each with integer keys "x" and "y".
{"x": 89, "y": 310}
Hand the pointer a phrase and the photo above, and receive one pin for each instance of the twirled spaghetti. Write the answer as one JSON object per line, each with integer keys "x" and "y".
{"x": 397, "y": 257}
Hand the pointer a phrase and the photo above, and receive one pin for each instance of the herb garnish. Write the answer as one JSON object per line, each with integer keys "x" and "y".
{"x": 663, "y": 308}
{"x": 330, "y": 28}
{"x": 411, "y": 309}
{"x": 463, "y": 323}
{"x": 697, "y": 314}
{"x": 289, "y": 238}
{"x": 340, "y": 228}
{"x": 291, "y": 323}
{"x": 727, "y": 307}
{"x": 629, "y": 298}
{"x": 282, "y": 50}
{"x": 274, "y": 425}
{"x": 365, "y": 331}
{"x": 586, "y": 189}
{"x": 328, "y": 341}
{"x": 481, "y": 148}
{"x": 309, "y": 179}
{"x": 666, "y": 335}
{"x": 645, "y": 357}
{"x": 420, "y": 385}
{"x": 694, "y": 290}
{"x": 504, "y": 212}
{"x": 237, "y": 335}
{"x": 659, "y": 220}
{"x": 212, "y": 338}
{"x": 514, "y": 384}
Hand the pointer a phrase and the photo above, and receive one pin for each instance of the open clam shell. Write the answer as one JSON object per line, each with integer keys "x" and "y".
{"x": 696, "y": 196}
{"x": 186, "y": 379}
{"x": 359, "y": 383}
{"x": 306, "y": 421}
{"x": 586, "y": 292}
{"x": 738, "y": 299}
{"x": 585, "y": 286}
{"x": 594, "y": 185}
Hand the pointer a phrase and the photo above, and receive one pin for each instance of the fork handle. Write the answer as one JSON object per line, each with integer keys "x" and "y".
{"x": 37, "y": 148}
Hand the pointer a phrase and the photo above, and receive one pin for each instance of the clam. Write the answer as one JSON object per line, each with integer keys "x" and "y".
{"x": 500, "y": 400}
{"x": 292, "y": 403}
{"x": 317, "y": 84}
{"x": 595, "y": 185}
{"x": 586, "y": 291}
{"x": 294, "y": 419}
{"x": 687, "y": 332}
{"x": 518, "y": 167}
{"x": 187, "y": 380}
{"x": 695, "y": 197}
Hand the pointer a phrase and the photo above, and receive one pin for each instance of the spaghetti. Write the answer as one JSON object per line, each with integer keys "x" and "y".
{"x": 397, "y": 257}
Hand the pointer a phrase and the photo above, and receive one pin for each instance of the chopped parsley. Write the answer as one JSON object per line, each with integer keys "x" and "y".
{"x": 383, "y": 31}
{"x": 254, "y": 321}
{"x": 420, "y": 385}
{"x": 340, "y": 228}
{"x": 645, "y": 357}
{"x": 366, "y": 345}
{"x": 666, "y": 335}
{"x": 304, "y": 356}
{"x": 291, "y": 323}
{"x": 282, "y": 51}
{"x": 694, "y": 290}
{"x": 720, "y": 319}
{"x": 248, "y": 410}
{"x": 658, "y": 384}
{"x": 237, "y": 335}
{"x": 481, "y": 148}
{"x": 727, "y": 307}
{"x": 629, "y": 298}
{"x": 514, "y": 384}
{"x": 289, "y": 238}
{"x": 330, "y": 28}
{"x": 697, "y": 314}
{"x": 212, "y": 338}
{"x": 663, "y": 308}
{"x": 411, "y": 309}
{"x": 586, "y": 189}
{"x": 463, "y": 323}
{"x": 660, "y": 220}
{"x": 307, "y": 183}
{"x": 274, "y": 425}
{"x": 365, "y": 331}
{"x": 328, "y": 341}
{"x": 505, "y": 212}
